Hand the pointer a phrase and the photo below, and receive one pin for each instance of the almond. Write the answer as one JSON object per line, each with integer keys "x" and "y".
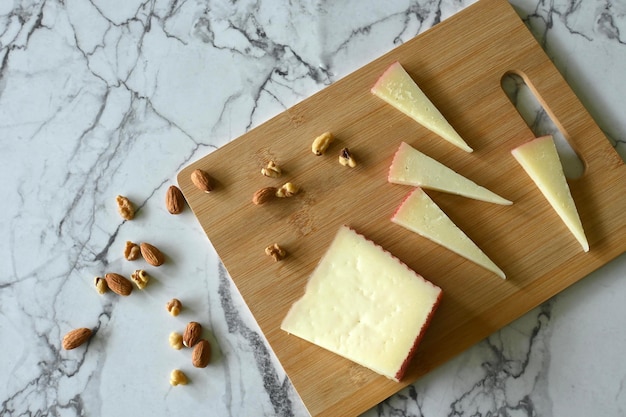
{"x": 202, "y": 180}
{"x": 264, "y": 195}
{"x": 201, "y": 355}
{"x": 151, "y": 254}
{"x": 76, "y": 337}
{"x": 174, "y": 200}
{"x": 192, "y": 334}
{"x": 118, "y": 284}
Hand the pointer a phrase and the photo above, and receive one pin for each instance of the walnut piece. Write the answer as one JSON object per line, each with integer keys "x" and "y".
{"x": 131, "y": 251}
{"x": 125, "y": 207}
{"x": 101, "y": 285}
{"x": 276, "y": 252}
{"x": 174, "y": 306}
{"x": 271, "y": 170}
{"x": 140, "y": 278}
{"x": 178, "y": 377}
{"x": 176, "y": 340}
{"x": 287, "y": 190}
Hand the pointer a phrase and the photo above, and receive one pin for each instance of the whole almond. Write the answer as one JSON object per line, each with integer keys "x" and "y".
{"x": 201, "y": 355}
{"x": 118, "y": 284}
{"x": 174, "y": 200}
{"x": 264, "y": 195}
{"x": 76, "y": 337}
{"x": 193, "y": 333}
{"x": 151, "y": 254}
{"x": 202, "y": 180}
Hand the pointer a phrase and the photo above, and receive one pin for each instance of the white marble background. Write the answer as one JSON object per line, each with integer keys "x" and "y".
{"x": 102, "y": 97}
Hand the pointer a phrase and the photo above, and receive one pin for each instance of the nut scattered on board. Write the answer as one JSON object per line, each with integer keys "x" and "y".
{"x": 101, "y": 285}
{"x": 140, "y": 278}
{"x": 264, "y": 195}
{"x": 287, "y": 190}
{"x": 76, "y": 337}
{"x": 201, "y": 355}
{"x": 125, "y": 207}
{"x": 174, "y": 306}
{"x": 178, "y": 377}
{"x": 276, "y": 252}
{"x": 346, "y": 159}
{"x": 193, "y": 334}
{"x": 272, "y": 170}
{"x": 202, "y": 180}
{"x": 151, "y": 254}
{"x": 321, "y": 143}
{"x": 131, "y": 251}
{"x": 118, "y": 284}
{"x": 174, "y": 200}
{"x": 176, "y": 340}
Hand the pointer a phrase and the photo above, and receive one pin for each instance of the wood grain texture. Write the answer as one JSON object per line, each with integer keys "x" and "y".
{"x": 459, "y": 65}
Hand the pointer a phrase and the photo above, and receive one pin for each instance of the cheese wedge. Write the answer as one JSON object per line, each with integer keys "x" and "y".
{"x": 364, "y": 304}
{"x": 397, "y": 88}
{"x": 421, "y": 215}
{"x": 540, "y": 160}
{"x": 411, "y": 167}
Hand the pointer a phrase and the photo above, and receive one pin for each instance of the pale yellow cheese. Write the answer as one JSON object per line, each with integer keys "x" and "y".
{"x": 363, "y": 304}
{"x": 540, "y": 160}
{"x": 397, "y": 88}
{"x": 421, "y": 215}
{"x": 412, "y": 167}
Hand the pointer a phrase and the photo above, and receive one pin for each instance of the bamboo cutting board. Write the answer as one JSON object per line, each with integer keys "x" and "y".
{"x": 459, "y": 64}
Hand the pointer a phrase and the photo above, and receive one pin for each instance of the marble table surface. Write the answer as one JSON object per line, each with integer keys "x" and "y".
{"x": 107, "y": 97}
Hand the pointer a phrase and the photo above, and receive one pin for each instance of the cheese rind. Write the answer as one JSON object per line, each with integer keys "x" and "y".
{"x": 421, "y": 215}
{"x": 412, "y": 167}
{"x": 540, "y": 160}
{"x": 397, "y": 88}
{"x": 364, "y": 304}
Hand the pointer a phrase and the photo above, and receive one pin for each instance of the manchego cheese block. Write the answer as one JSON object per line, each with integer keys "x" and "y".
{"x": 397, "y": 88}
{"x": 364, "y": 304}
{"x": 540, "y": 160}
{"x": 421, "y": 215}
{"x": 412, "y": 167}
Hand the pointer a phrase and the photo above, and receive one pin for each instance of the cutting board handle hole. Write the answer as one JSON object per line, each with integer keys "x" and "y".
{"x": 530, "y": 108}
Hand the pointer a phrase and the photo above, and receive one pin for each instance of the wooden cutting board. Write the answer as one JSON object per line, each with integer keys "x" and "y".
{"x": 459, "y": 64}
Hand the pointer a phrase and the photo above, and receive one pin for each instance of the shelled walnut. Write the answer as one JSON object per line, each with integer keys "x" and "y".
{"x": 271, "y": 170}
{"x": 125, "y": 207}
{"x": 178, "y": 377}
{"x": 140, "y": 278}
{"x": 131, "y": 251}
{"x": 174, "y": 306}
{"x": 287, "y": 190}
{"x": 276, "y": 252}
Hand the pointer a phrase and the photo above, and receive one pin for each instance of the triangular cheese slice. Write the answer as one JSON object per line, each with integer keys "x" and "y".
{"x": 411, "y": 167}
{"x": 540, "y": 160}
{"x": 397, "y": 88}
{"x": 364, "y": 304}
{"x": 421, "y": 215}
